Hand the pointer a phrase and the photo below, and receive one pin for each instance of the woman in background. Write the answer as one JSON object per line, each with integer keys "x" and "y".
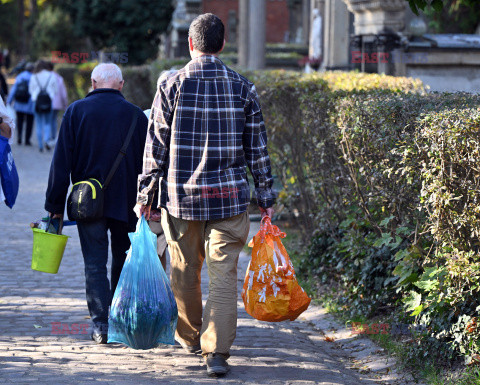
{"x": 59, "y": 102}
{"x": 23, "y": 104}
{"x": 42, "y": 83}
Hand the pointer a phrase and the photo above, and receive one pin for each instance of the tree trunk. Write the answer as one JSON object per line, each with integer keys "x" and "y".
{"x": 33, "y": 9}
{"x": 22, "y": 46}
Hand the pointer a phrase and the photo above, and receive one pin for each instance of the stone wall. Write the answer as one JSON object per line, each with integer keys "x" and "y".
{"x": 445, "y": 71}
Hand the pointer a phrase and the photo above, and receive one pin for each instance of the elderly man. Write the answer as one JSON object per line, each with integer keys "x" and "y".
{"x": 91, "y": 135}
{"x": 207, "y": 128}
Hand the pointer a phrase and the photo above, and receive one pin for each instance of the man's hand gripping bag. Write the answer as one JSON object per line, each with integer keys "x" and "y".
{"x": 271, "y": 291}
{"x": 143, "y": 312}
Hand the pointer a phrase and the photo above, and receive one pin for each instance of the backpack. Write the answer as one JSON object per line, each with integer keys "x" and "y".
{"x": 21, "y": 93}
{"x": 43, "y": 104}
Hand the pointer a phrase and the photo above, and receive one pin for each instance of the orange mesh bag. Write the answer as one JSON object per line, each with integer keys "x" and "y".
{"x": 271, "y": 291}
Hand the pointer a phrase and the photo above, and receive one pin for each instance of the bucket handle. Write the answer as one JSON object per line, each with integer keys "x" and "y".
{"x": 60, "y": 224}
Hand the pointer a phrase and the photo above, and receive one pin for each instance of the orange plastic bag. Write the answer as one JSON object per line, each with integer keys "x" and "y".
{"x": 271, "y": 291}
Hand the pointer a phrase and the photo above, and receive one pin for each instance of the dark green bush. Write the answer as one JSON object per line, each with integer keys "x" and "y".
{"x": 139, "y": 87}
{"x": 396, "y": 205}
{"x": 284, "y": 98}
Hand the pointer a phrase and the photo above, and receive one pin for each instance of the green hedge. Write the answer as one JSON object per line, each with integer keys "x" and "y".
{"x": 139, "y": 85}
{"x": 392, "y": 181}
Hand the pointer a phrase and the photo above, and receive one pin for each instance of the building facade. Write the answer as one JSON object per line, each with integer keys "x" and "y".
{"x": 277, "y": 18}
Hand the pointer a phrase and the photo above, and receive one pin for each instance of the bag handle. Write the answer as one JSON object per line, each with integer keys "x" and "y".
{"x": 266, "y": 227}
{"x": 60, "y": 224}
{"x": 123, "y": 150}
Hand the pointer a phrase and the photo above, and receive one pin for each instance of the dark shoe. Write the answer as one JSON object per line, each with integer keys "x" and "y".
{"x": 19, "y": 142}
{"x": 47, "y": 147}
{"x": 193, "y": 349}
{"x": 41, "y": 150}
{"x": 217, "y": 365}
{"x": 28, "y": 144}
{"x": 99, "y": 338}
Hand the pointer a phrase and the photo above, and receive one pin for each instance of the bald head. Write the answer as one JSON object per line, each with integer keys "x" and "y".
{"x": 107, "y": 75}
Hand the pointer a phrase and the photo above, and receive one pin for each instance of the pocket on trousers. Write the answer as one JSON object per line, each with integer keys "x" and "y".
{"x": 174, "y": 228}
{"x": 237, "y": 226}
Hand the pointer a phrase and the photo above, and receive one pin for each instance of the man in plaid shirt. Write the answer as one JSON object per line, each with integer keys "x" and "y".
{"x": 206, "y": 127}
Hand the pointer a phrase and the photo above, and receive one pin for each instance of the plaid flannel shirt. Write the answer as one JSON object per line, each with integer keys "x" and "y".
{"x": 205, "y": 128}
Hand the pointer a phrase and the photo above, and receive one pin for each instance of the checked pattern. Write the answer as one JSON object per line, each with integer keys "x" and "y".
{"x": 206, "y": 127}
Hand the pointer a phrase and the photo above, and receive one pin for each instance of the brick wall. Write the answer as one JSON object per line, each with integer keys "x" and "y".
{"x": 277, "y": 16}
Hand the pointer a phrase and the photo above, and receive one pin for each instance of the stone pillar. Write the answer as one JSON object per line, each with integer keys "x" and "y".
{"x": 377, "y": 26}
{"x": 374, "y": 17}
{"x": 336, "y": 36}
{"x": 243, "y": 33}
{"x": 256, "y": 46}
{"x": 306, "y": 21}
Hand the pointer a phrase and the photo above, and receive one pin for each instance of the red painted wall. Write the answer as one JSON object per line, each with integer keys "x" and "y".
{"x": 277, "y": 16}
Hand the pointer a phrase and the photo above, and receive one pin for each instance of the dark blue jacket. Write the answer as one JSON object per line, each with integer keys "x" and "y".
{"x": 92, "y": 132}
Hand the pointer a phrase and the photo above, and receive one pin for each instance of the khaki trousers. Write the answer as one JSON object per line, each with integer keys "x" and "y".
{"x": 190, "y": 243}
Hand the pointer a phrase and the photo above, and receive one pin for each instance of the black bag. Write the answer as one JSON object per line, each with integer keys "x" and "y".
{"x": 43, "y": 105}
{"x": 21, "y": 93}
{"x": 85, "y": 202}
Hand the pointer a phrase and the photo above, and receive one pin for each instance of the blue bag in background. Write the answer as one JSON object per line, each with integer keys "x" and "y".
{"x": 8, "y": 173}
{"x": 143, "y": 312}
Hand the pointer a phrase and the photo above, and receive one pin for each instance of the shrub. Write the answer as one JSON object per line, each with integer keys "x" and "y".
{"x": 390, "y": 175}
{"x": 299, "y": 115}
{"x": 139, "y": 88}
{"x": 447, "y": 293}
{"x": 360, "y": 81}
{"x": 288, "y": 146}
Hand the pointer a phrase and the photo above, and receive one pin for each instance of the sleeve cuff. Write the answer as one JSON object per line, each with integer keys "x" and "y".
{"x": 54, "y": 209}
{"x": 265, "y": 198}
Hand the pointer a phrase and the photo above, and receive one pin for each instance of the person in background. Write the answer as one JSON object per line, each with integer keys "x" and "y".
{"x": 7, "y": 128}
{"x": 43, "y": 83}
{"x": 6, "y": 58}
{"x": 92, "y": 132}
{"x": 23, "y": 104}
{"x": 59, "y": 102}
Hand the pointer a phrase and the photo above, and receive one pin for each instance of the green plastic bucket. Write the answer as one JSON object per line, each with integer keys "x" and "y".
{"x": 47, "y": 251}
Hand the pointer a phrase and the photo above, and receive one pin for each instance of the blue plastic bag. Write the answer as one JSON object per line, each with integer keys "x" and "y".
{"x": 143, "y": 312}
{"x": 8, "y": 173}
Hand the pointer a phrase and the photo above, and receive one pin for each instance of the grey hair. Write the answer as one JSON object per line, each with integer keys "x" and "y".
{"x": 107, "y": 73}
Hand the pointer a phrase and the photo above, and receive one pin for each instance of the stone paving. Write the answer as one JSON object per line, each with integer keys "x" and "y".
{"x": 35, "y": 307}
